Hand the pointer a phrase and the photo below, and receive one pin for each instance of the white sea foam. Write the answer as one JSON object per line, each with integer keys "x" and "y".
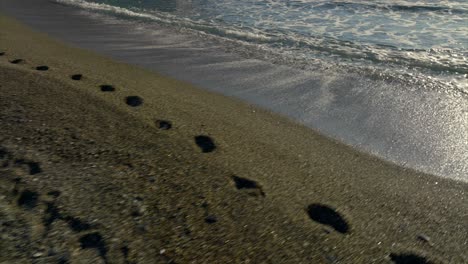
{"x": 402, "y": 35}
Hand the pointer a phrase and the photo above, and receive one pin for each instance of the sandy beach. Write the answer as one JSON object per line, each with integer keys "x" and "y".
{"x": 103, "y": 162}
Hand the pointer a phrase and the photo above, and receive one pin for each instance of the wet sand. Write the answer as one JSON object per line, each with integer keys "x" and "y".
{"x": 102, "y": 162}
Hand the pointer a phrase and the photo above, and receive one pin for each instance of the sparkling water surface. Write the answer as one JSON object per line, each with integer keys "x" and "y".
{"x": 406, "y": 39}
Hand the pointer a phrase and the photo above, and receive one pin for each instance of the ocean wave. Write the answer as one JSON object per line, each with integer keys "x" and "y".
{"x": 393, "y": 7}
{"x": 441, "y": 61}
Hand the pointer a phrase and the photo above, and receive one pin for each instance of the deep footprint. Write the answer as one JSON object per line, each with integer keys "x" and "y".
{"x": 94, "y": 241}
{"x": 205, "y": 143}
{"x": 76, "y": 77}
{"x": 107, "y": 88}
{"x": 28, "y": 199}
{"x": 134, "y": 101}
{"x": 328, "y": 216}
{"x": 211, "y": 219}
{"x": 409, "y": 259}
{"x": 243, "y": 183}
{"x": 34, "y": 168}
{"x": 42, "y": 68}
{"x": 2, "y": 53}
{"x": 163, "y": 124}
{"x": 17, "y": 61}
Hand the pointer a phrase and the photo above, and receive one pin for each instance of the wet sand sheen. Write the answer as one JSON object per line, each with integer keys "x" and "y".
{"x": 88, "y": 170}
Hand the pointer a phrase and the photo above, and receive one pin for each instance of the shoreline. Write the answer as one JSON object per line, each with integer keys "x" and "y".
{"x": 226, "y": 182}
{"x": 406, "y": 124}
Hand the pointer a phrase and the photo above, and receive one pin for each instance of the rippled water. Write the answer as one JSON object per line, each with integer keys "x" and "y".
{"x": 409, "y": 40}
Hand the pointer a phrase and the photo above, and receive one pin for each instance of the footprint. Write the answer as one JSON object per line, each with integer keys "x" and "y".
{"x": 205, "y": 143}
{"x": 252, "y": 186}
{"x": 133, "y": 101}
{"x": 125, "y": 252}
{"x": 17, "y": 61}
{"x": 34, "y": 167}
{"x": 328, "y": 216}
{"x": 28, "y": 199}
{"x": 211, "y": 219}
{"x": 76, "y": 77}
{"x": 42, "y": 68}
{"x": 5, "y": 157}
{"x": 107, "y": 88}
{"x": 54, "y": 193}
{"x": 76, "y": 224}
{"x": 52, "y": 214}
{"x": 163, "y": 124}
{"x": 2, "y": 53}
{"x": 94, "y": 241}
{"x": 409, "y": 258}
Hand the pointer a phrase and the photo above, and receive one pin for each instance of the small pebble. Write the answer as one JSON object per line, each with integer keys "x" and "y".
{"x": 424, "y": 238}
{"x": 38, "y": 254}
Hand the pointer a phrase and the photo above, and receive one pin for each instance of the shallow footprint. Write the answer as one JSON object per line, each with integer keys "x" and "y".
{"x": 134, "y": 101}
{"x": 76, "y": 77}
{"x": 205, "y": 143}
{"x": 163, "y": 124}
{"x": 408, "y": 258}
{"x": 107, "y": 88}
{"x": 33, "y": 167}
{"x": 17, "y": 61}
{"x": 252, "y": 186}
{"x": 328, "y": 216}
{"x": 42, "y": 68}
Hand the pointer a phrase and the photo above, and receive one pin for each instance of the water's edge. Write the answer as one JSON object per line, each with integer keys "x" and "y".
{"x": 422, "y": 129}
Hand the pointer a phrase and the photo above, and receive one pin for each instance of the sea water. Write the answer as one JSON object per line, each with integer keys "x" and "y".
{"x": 422, "y": 41}
{"x": 387, "y": 77}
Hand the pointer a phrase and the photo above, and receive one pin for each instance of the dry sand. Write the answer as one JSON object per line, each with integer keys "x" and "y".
{"x": 102, "y": 162}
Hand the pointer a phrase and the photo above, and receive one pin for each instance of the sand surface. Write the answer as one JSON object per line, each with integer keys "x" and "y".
{"x": 102, "y": 162}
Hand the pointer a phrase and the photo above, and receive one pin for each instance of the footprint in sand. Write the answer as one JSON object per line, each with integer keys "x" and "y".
{"x": 76, "y": 77}
{"x": 52, "y": 214}
{"x": 54, "y": 193}
{"x": 107, "y": 88}
{"x": 94, "y": 241}
{"x": 125, "y": 252}
{"x": 211, "y": 219}
{"x": 251, "y": 187}
{"x": 28, "y": 199}
{"x": 205, "y": 143}
{"x": 134, "y": 101}
{"x": 163, "y": 124}
{"x": 7, "y": 159}
{"x": 33, "y": 167}
{"x": 17, "y": 61}
{"x": 2, "y": 53}
{"x": 409, "y": 258}
{"x": 328, "y": 216}
{"x": 42, "y": 68}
